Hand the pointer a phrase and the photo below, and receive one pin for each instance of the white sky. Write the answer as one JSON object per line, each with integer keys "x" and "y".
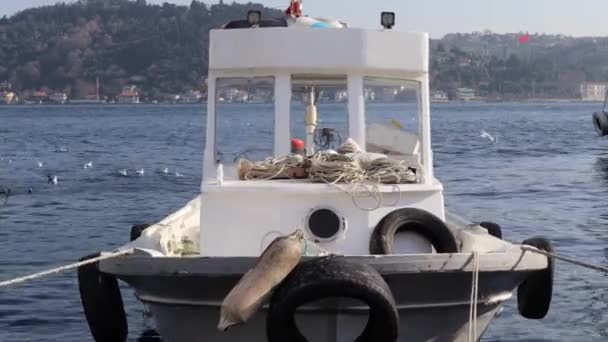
{"x": 578, "y": 18}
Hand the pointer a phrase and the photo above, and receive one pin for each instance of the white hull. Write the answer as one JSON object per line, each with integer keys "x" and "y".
{"x": 198, "y": 324}
{"x": 432, "y": 295}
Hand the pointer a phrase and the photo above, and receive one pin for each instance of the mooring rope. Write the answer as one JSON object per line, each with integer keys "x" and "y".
{"x": 389, "y": 171}
{"x": 599, "y": 268}
{"x": 270, "y": 168}
{"x": 335, "y": 168}
{"x": 56, "y": 270}
{"x": 473, "y": 301}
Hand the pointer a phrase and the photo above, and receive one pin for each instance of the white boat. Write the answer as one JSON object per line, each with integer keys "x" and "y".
{"x": 417, "y": 272}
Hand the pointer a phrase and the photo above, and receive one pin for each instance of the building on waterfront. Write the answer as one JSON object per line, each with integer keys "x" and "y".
{"x": 39, "y": 97}
{"x": 129, "y": 94}
{"x": 593, "y": 91}
{"x": 191, "y": 96}
{"x": 465, "y": 94}
{"x": 439, "y": 96}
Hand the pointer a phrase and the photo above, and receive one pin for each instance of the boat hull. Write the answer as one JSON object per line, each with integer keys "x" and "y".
{"x": 432, "y": 294}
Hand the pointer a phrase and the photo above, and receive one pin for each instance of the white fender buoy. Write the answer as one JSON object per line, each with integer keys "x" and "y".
{"x": 277, "y": 261}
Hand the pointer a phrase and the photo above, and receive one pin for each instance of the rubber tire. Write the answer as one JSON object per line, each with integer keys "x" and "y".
{"x": 137, "y": 230}
{"x": 534, "y": 294}
{"x": 493, "y": 229}
{"x": 332, "y": 277}
{"x": 600, "y": 122}
{"x": 416, "y": 220}
{"x": 102, "y": 303}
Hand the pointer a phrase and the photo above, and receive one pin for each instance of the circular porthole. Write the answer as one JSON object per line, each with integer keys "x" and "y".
{"x": 325, "y": 224}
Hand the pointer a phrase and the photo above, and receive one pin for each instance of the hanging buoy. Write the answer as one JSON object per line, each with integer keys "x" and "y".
{"x": 245, "y": 299}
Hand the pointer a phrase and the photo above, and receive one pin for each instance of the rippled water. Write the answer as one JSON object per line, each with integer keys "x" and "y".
{"x": 547, "y": 174}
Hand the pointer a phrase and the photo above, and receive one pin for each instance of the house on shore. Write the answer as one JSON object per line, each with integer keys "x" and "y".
{"x": 129, "y": 95}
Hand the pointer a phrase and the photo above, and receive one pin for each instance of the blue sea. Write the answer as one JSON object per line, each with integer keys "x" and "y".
{"x": 546, "y": 174}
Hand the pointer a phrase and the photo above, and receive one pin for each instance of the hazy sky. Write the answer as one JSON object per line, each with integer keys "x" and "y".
{"x": 571, "y": 17}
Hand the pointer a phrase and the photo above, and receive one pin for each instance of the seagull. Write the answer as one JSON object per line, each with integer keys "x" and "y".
{"x": 123, "y": 172}
{"x": 140, "y": 172}
{"x": 178, "y": 175}
{"x": 166, "y": 170}
{"x": 53, "y": 179}
{"x": 40, "y": 164}
{"x": 88, "y": 165}
{"x": 487, "y": 135}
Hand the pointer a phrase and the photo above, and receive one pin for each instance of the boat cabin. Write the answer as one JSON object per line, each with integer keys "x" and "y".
{"x": 270, "y": 85}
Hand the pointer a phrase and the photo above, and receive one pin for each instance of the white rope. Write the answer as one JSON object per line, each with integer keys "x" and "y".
{"x": 335, "y": 168}
{"x": 600, "y": 268}
{"x": 64, "y": 268}
{"x": 473, "y": 301}
{"x": 389, "y": 171}
{"x": 270, "y": 168}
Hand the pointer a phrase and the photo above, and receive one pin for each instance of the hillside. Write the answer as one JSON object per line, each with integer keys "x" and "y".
{"x": 163, "y": 50}
{"x": 499, "y": 65}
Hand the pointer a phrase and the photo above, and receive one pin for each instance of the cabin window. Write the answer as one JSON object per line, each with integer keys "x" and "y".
{"x": 244, "y": 119}
{"x": 392, "y": 110}
{"x": 329, "y": 95}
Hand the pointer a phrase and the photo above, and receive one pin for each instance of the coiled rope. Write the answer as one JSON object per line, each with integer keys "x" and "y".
{"x": 52, "y": 271}
{"x": 389, "y": 171}
{"x": 335, "y": 168}
{"x": 270, "y": 168}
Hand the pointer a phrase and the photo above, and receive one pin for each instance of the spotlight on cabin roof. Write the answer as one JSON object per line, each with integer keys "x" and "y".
{"x": 388, "y": 20}
{"x": 254, "y": 17}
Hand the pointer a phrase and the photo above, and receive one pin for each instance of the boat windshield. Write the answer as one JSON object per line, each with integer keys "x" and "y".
{"x": 328, "y": 94}
{"x": 392, "y": 110}
{"x": 244, "y": 119}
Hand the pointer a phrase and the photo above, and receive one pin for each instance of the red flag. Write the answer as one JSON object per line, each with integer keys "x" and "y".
{"x": 525, "y": 39}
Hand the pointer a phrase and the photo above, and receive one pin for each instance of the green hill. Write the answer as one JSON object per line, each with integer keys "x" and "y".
{"x": 163, "y": 49}
{"x": 65, "y": 47}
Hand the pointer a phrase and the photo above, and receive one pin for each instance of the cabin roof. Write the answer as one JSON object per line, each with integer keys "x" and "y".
{"x": 328, "y": 51}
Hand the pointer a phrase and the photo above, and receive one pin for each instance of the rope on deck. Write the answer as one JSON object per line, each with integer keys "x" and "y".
{"x": 599, "y": 268}
{"x": 56, "y": 270}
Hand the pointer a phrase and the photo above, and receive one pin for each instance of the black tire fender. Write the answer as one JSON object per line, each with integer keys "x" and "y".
{"x": 600, "y": 123}
{"x": 416, "y": 220}
{"x": 102, "y": 303}
{"x": 137, "y": 230}
{"x": 535, "y": 292}
{"x": 493, "y": 229}
{"x": 332, "y": 277}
